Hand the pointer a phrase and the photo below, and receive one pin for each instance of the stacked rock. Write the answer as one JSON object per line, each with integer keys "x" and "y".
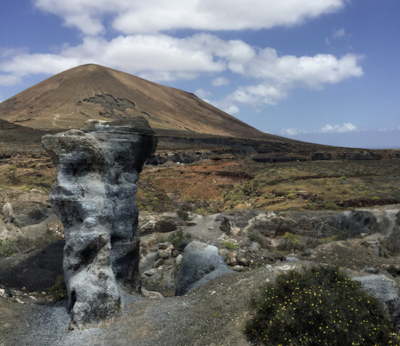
{"x": 94, "y": 196}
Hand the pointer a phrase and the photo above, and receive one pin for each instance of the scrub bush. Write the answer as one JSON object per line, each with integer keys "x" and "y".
{"x": 319, "y": 306}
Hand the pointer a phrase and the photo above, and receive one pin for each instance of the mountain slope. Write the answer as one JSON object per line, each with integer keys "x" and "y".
{"x": 71, "y": 98}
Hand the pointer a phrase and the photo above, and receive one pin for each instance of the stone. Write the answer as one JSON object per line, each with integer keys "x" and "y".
{"x": 164, "y": 254}
{"x": 231, "y": 258}
{"x": 163, "y": 246}
{"x": 152, "y": 294}
{"x": 156, "y": 223}
{"x": 150, "y": 272}
{"x": 94, "y": 196}
{"x": 178, "y": 260}
{"x": 243, "y": 258}
{"x": 237, "y": 268}
{"x": 307, "y": 252}
{"x": 291, "y": 259}
{"x": 223, "y": 253}
{"x": 201, "y": 263}
{"x": 386, "y": 291}
{"x": 159, "y": 263}
{"x": 270, "y": 224}
{"x": 2, "y": 292}
{"x": 174, "y": 253}
{"x": 37, "y": 271}
{"x": 255, "y": 246}
{"x": 168, "y": 222}
{"x": 225, "y": 225}
{"x": 370, "y": 270}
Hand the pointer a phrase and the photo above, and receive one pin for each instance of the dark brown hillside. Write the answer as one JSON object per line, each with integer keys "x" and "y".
{"x": 71, "y": 98}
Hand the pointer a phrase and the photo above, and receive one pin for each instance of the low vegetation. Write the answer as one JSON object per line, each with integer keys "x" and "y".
{"x": 319, "y": 306}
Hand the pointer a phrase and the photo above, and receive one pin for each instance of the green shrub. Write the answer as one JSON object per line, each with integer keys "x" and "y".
{"x": 331, "y": 206}
{"x": 179, "y": 237}
{"x": 319, "y": 306}
{"x": 12, "y": 168}
{"x": 290, "y": 195}
{"x": 7, "y": 248}
{"x": 375, "y": 197}
{"x": 229, "y": 245}
{"x": 25, "y": 188}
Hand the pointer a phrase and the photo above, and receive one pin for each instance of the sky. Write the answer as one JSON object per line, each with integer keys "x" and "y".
{"x": 321, "y": 71}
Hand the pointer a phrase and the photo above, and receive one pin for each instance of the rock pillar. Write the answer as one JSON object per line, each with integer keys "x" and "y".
{"x": 94, "y": 196}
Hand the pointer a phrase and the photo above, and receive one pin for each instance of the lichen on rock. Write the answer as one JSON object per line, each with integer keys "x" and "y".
{"x": 94, "y": 196}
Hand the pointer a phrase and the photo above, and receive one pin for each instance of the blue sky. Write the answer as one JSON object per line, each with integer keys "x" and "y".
{"x": 324, "y": 71}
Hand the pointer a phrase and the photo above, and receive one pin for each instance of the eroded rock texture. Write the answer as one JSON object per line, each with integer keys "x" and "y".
{"x": 94, "y": 196}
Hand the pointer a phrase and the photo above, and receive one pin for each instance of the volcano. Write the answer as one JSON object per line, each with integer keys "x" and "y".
{"x": 76, "y": 97}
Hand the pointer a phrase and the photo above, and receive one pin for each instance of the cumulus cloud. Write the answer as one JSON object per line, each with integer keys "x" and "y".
{"x": 231, "y": 110}
{"x": 346, "y": 127}
{"x": 152, "y": 16}
{"x": 220, "y": 81}
{"x": 162, "y": 57}
{"x": 203, "y": 94}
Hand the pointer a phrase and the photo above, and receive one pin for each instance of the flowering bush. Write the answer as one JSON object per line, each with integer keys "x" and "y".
{"x": 319, "y": 306}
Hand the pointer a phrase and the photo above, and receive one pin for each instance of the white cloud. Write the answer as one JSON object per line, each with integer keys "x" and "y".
{"x": 152, "y": 16}
{"x": 281, "y": 74}
{"x": 162, "y": 57}
{"x": 6, "y": 80}
{"x": 156, "y": 57}
{"x": 202, "y": 93}
{"x": 347, "y": 127}
{"x": 290, "y": 132}
{"x": 220, "y": 81}
{"x": 339, "y": 33}
{"x": 231, "y": 110}
{"x": 257, "y": 94}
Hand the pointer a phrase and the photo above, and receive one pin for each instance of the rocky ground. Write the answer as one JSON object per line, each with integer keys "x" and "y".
{"x": 263, "y": 219}
{"x": 213, "y": 314}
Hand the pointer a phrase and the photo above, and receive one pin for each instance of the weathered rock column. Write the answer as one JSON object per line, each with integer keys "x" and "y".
{"x": 94, "y": 196}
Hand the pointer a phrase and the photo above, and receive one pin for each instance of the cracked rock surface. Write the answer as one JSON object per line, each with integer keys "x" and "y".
{"x": 94, "y": 196}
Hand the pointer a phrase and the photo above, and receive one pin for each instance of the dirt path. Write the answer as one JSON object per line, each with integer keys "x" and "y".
{"x": 212, "y": 315}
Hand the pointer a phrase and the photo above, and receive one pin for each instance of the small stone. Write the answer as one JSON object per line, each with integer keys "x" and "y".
{"x": 231, "y": 259}
{"x": 159, "y": 263}
{"x": 371, "y": 270}
{"x": 32, "y": 297}
{"x": 152, "y": 294}
{"x": 163, "y": 246}
{"x": 178, "y": 260}
{"x": 292, "y": 259}
{"x": 237, "y": 268}
{"x": 164, "y": 254}
{"x": 2, "y": 292}
{"x": 150, "y": 272}
{"x": 19, "y": 301}
{"x": 223, "y": 253}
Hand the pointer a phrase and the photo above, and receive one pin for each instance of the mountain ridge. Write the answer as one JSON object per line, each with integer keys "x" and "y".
{"x": 71, "y": 98}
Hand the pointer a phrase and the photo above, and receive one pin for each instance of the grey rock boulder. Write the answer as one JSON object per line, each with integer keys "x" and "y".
{"x": 270, "y": 224}
{"x": 201, "y": 264}
{"x": 386, "y": 291}
{"x": 94, "y": 196}
{"x": 37, "y": 271}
